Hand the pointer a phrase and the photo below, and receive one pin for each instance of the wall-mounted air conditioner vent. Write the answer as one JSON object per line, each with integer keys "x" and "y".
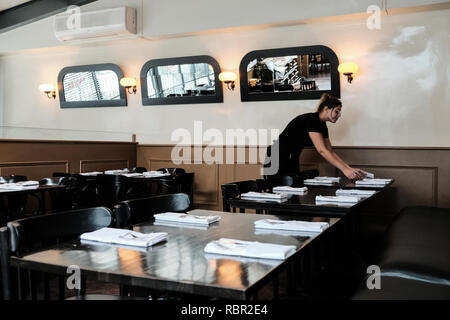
{"x": 116, "y": 22}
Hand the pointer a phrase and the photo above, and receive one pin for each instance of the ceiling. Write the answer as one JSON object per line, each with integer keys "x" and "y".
{"x": 7, "y": 4}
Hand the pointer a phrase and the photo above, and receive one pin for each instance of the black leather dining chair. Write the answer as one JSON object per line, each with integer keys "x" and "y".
{"x": 61, "y": 200}
{"x": 172, "y": 170}
{"x": 14, "y": 206}
{"x": 177, "y": 183}
{"x": 24, "y": 235}
{"x": 116, "y": 188}
{"x": 130, "y": 212}
{"x": 233, "y": 189}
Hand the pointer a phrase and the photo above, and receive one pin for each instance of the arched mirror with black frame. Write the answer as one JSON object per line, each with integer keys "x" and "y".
{"x": 87, "y": 86}
{"x": 181, "y": 80}
{"x": 296, "y": 73}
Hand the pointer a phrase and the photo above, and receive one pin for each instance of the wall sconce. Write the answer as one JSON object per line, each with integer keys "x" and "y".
{"x": 48, "y": 89}
{"x": 348, "y": 69}
{"x": 129, "y": 83}
{"x": 228, "y": 78}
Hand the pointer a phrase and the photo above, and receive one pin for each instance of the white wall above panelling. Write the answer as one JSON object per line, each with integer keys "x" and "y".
{"x": 399, "y": 98}
{"x": 172, "y": 17}
{"x": 168, "y": 18}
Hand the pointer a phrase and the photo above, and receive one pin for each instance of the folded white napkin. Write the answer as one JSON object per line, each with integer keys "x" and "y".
{"x": 277, "y": 197}
{"x": 319, "y": 182}
{"x": 372, "y": 182}
{"x": 186, "y": 218}
{"x": 334, "y": 179}
{"x": 132, "y": 175}
{"x": 23, "y": 185}
{"x": 286, "y": 233}
{"x": 370, "y": 175}
{"x": 355, "y": 192}
{"x": 155, "y": 174}
{"x": 287, "y": 189}
{"x": 292, "y": 225}
{"x": 117, "y": 171}
{"x": 268, "y": 262}
{"x": 252, "y": 249}
{"x": 262, "y": 195}
{"x": 28, "y": 183}
{"x": 125, "y": 237}
{"x": 180, "y": 225}
{"x": 346, "y": 199}
{"x": 93, "y": 173}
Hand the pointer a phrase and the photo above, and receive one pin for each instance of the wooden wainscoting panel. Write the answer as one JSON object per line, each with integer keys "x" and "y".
{"x": 422, "y": 174}
{"x": 40, "y": 158}
{"x": 34, "y": 170}
{"x": 413, "y": 185}
{"x": 206, "y": 178}
{"x": 102, "y": 165}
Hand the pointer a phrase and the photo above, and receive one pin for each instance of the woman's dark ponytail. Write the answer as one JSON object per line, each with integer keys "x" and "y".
{"x": 328, "y": 101}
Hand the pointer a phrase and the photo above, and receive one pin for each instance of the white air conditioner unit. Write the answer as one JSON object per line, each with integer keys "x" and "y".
{"x": 108, "y": 23}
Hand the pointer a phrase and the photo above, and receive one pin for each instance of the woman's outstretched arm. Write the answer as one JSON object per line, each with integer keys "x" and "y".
{"x": 323, "y": 146}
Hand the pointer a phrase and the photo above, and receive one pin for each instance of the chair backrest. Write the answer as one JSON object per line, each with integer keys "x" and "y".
{"x": 130, "y": 212}
{"x": 13, "y": 178}
{"x": 23, "y": 235}
{"x": 58, "y": 181}
{"x": 274, "y": 181}
{"x": 113, "y": 188}
{"x": 26, "y": 233}
{"x": 172, "y": 170}
{"x": 233, "y": 189}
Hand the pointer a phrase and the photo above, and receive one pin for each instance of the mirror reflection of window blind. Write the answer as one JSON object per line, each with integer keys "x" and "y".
{"x": 177, "y": 79}
{"x": 91, "y": 86}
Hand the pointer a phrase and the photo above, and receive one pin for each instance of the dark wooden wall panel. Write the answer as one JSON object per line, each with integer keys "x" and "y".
{"x": 422, "y": 174}
{"x": 39, "y": 158}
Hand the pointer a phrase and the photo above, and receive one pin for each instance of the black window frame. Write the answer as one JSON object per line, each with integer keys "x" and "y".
{"x": 290, "y": 51}
{"x": 147, "y": 101}
{"x": 122, "y": 102}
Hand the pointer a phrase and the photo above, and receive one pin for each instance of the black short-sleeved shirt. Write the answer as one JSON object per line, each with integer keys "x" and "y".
{"x": 294, "y": 138}
{"x": 296, "y": 134}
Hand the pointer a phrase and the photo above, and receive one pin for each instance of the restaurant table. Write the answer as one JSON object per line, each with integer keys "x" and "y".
{"x": 42, "y": 189}
{"x": 305, "y": 204}
{"x": 180, "y": 264}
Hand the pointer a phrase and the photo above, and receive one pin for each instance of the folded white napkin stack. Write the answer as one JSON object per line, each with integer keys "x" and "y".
{"x": 153, "y": 174}
{"x": 117, "y": 171}
{"x": 252, "y": 249}
{"x": 343, "y": 199}
{"x": 278, "y": 197}
{"x": 22, "y": 185}
{"x": 186, "y": 218}
{"x": 370, "y": 175}
{"x": 287, "y": 189}
{"x": 355, "y": 192}
{"x": 93, "y": 173}
{"x": 125, "y": 237}
{"x": 320, "y": 182}
{"x": 132, "y": 175}
{"x": 334, "y": 179}
{"x": 291, "y": 225}
{"x": 373, "y": 182}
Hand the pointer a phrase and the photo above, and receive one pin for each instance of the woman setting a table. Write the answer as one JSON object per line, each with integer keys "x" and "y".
{"x": 307, "y": 130}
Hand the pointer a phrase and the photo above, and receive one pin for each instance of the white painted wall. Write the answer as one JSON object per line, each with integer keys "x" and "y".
{"x": 399, "y": 98}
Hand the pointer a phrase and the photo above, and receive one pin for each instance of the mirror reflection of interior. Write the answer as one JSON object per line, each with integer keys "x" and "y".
{"x": 297, "y": 73}
{"x": 91, "y": 86}
{"x": 182, "y": 80}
